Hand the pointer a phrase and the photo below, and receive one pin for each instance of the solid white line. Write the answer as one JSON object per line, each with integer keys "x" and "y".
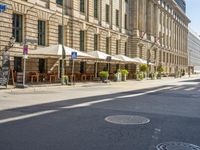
{"x": 27, "y": 116}
{"x": 189, "y": 89}
{"x": 77, "y": 106}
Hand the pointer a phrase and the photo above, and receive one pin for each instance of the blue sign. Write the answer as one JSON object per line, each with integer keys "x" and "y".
{"x": 2, "y": 8}
{"x": 74, "y": 55}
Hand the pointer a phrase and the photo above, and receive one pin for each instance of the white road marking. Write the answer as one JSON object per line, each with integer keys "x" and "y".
{"x": 189, "y": 89}
{"x": 27, "y": 116}
{"x": 177, "y": 88}
{"x": 86, "y": 104}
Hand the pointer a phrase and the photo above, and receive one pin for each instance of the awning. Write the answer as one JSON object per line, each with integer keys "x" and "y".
{"x": 103, "y": 56}
{"x": 126, "y": 59}
{"x": 56, "y": 51}
{"x": 142, "y": 61}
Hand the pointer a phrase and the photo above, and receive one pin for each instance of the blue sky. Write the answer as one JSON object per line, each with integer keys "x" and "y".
{"x": 193, "y": 12}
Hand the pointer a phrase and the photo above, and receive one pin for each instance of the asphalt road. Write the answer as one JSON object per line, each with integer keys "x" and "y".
{"x": 174, "y": 113}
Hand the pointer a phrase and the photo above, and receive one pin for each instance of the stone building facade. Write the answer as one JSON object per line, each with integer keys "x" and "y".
{"x": 194, "y": 52}
{"x": 151, "y": 29}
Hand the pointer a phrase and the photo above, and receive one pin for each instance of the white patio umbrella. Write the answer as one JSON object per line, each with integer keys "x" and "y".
{"x": 56, "y": 51}
{"x": 126, "y": 59}
{"x": 102, "y": 57}
{"x": 142, "y": 61}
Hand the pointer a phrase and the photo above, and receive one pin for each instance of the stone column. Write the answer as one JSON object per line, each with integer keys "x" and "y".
{"x": 156, "y": 20}
{"x": 150, "y": 17}
{"x": 135, "y": 15}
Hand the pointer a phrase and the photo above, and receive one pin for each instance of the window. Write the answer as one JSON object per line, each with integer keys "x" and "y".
{"x": 125, "y": 49}
{"x": 82, "y": 6}
{"x": 125, "y": 21}
{"x": 17, "y": 27}
{"x": 117, "y": 17}
{"x": 41, "y": 65}
{"x": 82, "y": 41}
{"x": 96, "y": 8}
{"x": 107, "y": 13}
{"x": 82, "y": 67}
{"x": 41, "y": 33}
{"x": 117, "y": 47}
{"x": 107, "y": 45}
{"x": 95, "y": 42}
{"x": 18, "y": 64}
{"x": 60, "y": 36}
{"x": 59, "y": 2}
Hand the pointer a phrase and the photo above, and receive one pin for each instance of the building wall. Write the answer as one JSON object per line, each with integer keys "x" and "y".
{"x": 194, "y": 51}
{"x": 148, "y": 21}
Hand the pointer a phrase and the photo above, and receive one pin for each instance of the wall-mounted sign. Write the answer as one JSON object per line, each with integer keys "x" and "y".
{"x": 25, "y": 50}
{"x": 3, "y": 7}
{"x": 74, "y": 55}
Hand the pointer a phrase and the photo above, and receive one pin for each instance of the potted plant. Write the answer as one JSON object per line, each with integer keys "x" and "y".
{"x": 139, "y": 75}
{"x": 124, "y": 74}
{"x": 160, "y": 69}
{"x": 65, "y": 79}
{"x": 104, "y": 75}
{"x": 117, "y": 76}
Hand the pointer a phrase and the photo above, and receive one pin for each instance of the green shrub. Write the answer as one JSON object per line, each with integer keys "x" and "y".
{"x": 143, "y": 68}
{"x": 124, "y": 72}
{"x": 104, "y": 74}
{"x": 139, "y": 75}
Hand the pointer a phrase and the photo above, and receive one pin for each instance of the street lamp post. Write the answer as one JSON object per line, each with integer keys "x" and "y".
{"x": 63, "y": 42}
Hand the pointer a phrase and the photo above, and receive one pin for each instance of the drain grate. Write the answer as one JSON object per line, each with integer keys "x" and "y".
{"x": 127, "y": 119}
{"x": 177, "y": 146}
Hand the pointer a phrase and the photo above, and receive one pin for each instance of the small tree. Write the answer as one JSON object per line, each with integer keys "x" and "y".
{"x": 143, "y": 68}
{"x": 160, "y": 69}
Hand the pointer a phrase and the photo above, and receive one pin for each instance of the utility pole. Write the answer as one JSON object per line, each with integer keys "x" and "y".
{"x": 63, "y": 44}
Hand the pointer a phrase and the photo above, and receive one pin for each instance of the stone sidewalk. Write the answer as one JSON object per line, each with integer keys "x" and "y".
{"x": 13, "y": 98}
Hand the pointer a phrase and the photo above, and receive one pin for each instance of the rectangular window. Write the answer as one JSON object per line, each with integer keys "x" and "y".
{"x": 96, "y": 8}
{"x": 59, "y": 2}
{"x": 107, "y": 13}
{"x": 95, "y": 42}
{"x": 125, "y": 21}
{"x": 82, "y": 41}
{"x": 18, "y": 64}
{"x": 117, "y": 47}
{"x": 107, "y": 45}
{"x": 117, "y": 17}
{"x": 17, "y": 30}
{"x": 41, "y": 33}
{"x": 60, "y": 36}
{"x": 82, "y": 6}
{"x": 125, "y": 49}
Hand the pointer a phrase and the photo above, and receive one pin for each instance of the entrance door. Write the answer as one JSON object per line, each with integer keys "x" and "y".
{"x": 42, "y": 66}
{"x": 18, "y": 64}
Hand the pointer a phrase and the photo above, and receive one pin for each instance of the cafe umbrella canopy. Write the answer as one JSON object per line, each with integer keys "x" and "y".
{"x": 55, "y": 51}
{"x": 104, "y": 58}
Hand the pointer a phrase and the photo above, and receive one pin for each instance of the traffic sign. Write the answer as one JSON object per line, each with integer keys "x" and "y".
{"x": 2, "y": 8}
{"x": 74, "y": 55}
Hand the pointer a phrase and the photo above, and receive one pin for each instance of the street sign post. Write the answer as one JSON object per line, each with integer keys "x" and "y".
{"x": 73, "y": 56}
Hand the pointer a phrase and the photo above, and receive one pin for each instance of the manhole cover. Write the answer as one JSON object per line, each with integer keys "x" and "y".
{"x": 177, "y": 146}
{"x": 127, "y": 119}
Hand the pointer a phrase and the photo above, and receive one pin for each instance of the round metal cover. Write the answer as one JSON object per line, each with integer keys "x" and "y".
{"x": 127, "y": 119}
{"x": 177, "y": 146}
